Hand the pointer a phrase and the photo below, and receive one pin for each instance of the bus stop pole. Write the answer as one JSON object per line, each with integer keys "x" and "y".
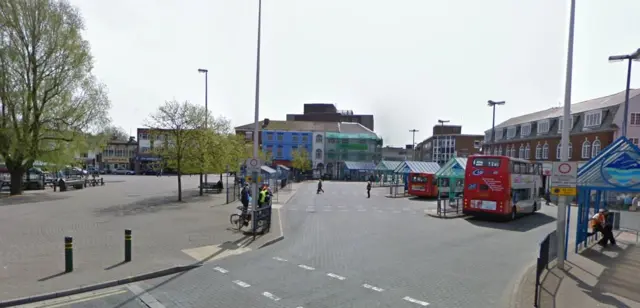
{"x": 562, "y": 202}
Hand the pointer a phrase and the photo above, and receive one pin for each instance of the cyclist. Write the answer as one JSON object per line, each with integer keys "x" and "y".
{"x": 245, "y": 196}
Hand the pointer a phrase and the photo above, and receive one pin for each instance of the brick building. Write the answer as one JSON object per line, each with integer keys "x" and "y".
{"x": 329, "y": 113}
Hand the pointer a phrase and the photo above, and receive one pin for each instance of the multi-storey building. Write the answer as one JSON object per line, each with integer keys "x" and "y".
{"x": 594, "y": 124}
{"x": 354, "y": 143}
{"x": 448, "y": 141}
{"x": 118, "y": 154}
{"x": 398, "y": 153}
{"x": 329, "y": 113}
{"x": 280, "y": 145}
{"x": 144, "y": 158}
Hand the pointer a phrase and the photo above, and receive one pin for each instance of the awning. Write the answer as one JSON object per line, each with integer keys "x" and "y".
{"x": 356, "y": 165}
{"x": 283, "y": 167}
{"x": 616, "y": 167}
{"x": 387, "y": 165}
{"x": 454, "y": 168}
{"x": 267, "y": 169}
{"x": 417, "y": 167}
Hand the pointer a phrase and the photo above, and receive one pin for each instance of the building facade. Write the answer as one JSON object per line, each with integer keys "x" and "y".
{"x": 118, "y": 154}
{"x": 144, "y": 159}
{"x": 329, "y": 113}
{"x": 398, "y": 153}
{"x": 448, "y": 141}
{"x": 358, "y": 147}
{"x": 279, "y": 146}
{"x": 318, "y": 150}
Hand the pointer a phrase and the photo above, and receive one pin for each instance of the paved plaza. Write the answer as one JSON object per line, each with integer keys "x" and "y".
{"x": 165, "y": 233}
{"x": 342, "y": 249}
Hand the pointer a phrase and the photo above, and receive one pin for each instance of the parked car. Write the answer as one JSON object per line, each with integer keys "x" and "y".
{"x": 123, "y": 171}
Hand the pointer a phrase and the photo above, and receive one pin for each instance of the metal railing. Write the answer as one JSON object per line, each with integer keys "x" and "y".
{"x": 548, "y": 252}
{"x": 448, "y": 205}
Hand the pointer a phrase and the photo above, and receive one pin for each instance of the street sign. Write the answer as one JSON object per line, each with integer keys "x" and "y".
{"x": 563, "y": 191}
{"x": 564, "y": 174}
{"x": 253, "y": 164}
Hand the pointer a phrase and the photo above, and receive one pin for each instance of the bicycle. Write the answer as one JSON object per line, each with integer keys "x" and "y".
{"x": 240, "y": 220}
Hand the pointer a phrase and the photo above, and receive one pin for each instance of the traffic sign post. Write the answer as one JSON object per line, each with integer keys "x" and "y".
{"x": 564, "y": 177}
{"x": 253, "y": 165}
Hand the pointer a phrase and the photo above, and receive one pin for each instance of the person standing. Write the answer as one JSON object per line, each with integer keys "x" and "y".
{"x": 600, "y": 223}
{"x": 320, "y": 187}
{"x": 369, "y": 189}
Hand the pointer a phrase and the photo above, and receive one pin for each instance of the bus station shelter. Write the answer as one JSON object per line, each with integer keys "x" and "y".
{"x": 607, "y": 181}
{"x": 451, "y": 176}
{"x": 358, "y": 171}
{"x": 421, "y": 167}
{"x": 385, "y": 170}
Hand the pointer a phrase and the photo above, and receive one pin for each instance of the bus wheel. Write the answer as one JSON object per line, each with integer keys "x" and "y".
{"x": 513, "y": 213}
{"x": 535, "y": 207}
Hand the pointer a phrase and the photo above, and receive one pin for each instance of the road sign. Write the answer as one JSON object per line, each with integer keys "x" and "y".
{"x": 563, "y": 191}
{"x": 564, "y": 174}
{"x": 253, "y": 164}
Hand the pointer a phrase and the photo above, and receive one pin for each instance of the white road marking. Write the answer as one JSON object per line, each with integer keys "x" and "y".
{"x": 327, "y": 210}
{"x": 270, "y": 296}
{"x": 280, "y": 259}
{"x": 309, "y": 268}
{"x": 415, "y": 301}
{"x": 361, "y": 210}
{"x": 397, "y": 212}
{"x": 340, "y": 206}
{"x": 345, "y": 210}
{"x": 220, "y": 269}
{"x": 145, "y": 297}
{"x": 380, "y": 211}
{"x": 370, "y": 287}
{"x": 241, "y": 283}
{"x": 332, "y": 275}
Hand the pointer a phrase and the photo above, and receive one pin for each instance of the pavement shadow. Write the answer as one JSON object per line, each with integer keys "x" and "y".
{"x": 5, "y": 199}
{"x": 152, "y": 204}
{"x": 621, "y": 275}
{"x": 549, "y": 286}
{"x": 226, "y": 246}
{"x": 520, "y": 224}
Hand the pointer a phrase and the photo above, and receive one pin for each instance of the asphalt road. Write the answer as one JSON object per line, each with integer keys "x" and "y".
{"x": 344, "y": 250}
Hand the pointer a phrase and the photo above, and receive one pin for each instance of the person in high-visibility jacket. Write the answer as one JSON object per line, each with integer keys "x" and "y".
{"x": 263, "y": 196}
{"x": 600, "y": 224}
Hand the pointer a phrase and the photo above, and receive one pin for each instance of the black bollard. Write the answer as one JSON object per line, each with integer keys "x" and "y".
{"x": 127, "y": 245}
{"x": 68, "y": 254}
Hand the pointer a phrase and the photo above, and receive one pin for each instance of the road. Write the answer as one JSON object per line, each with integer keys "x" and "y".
{"x": 344, "y": 250}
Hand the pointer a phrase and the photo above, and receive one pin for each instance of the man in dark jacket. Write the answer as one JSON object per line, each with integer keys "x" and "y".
{"x": 369, "y": 189}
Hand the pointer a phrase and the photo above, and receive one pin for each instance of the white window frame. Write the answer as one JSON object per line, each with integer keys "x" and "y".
{"x": 588, "y": 124}
{"x": 634, "y": 118}
{"x": 527, "y": 152}
{"x": 511, "y": 132}
{"x": 525, "y": 130}
{"x": 558, "y": 149}
{"x": 538, "y": 151}
{"x": 586, "y": 149}
{"x": 521, "y": 151}
{"x": 545, "y": 151}
{"x": 545, "y": 124}
{"x": 634, "y": 140}
{"x": 596, "y": 150}
{"x": 499, "y": 133}
{"x": 561, "y": 123}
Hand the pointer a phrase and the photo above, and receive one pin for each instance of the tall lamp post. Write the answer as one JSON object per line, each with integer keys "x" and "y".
{"x": 413, "y": 145}
{"x": 564, "y": 140}
{"x": 441, "y": 130}
{"x": 206, "y": 107}
{"x": 493, "y": 104}
{"x": 256, "y": 127}
{"x": 635, "y": 56}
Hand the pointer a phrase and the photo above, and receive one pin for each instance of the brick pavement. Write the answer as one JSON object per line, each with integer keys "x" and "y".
{"x": 31, "y": 234}
{"x": 595, "y": 277}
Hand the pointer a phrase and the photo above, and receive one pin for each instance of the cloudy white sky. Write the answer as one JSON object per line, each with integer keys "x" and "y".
{"x": 408, "y": 62}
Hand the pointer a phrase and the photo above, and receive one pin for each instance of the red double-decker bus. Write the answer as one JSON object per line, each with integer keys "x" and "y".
{"x": 422, "y": 185}
{"x": 501, "y": 186}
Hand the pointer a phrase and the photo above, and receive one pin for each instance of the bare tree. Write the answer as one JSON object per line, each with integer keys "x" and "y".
{"x": 49, "y": 97}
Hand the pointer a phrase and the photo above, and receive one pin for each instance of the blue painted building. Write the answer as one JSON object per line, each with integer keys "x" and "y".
{"x": 279, "y": 145}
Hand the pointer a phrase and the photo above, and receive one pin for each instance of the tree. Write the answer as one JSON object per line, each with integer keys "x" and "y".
{"x": 181, "y": 128}
{"x": 301, "y": 160}
{"x": 49, "y": 98}
{"x": 115, "y": 133}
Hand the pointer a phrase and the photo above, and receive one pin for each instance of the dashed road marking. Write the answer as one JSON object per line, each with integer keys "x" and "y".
{"x": 361, "y": 210}
{"x": 380, "y": 211}
{"x": 241, "y": 283}
{"x": 220, "y": 269}
{"x": 270, "y": 296}
{"x": 280, "y": 259}
{"x": 309, "y": 268}
{"x": 332, "y": 275}
{"x": 415, "y": 301}
{"x": 344, "y": 210}
{"x": 374, "y": 288}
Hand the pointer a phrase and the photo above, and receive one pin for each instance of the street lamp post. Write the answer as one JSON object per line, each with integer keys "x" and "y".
{"x": 256, "y": 127}
{"x": 561, "y": 231}
{"x": 206, "y": 108}
{"x": 441, "y": 130}
{"x": 635, "y": 56}
{"x": 413, "y": 145}
{"x": 493, "y": 123}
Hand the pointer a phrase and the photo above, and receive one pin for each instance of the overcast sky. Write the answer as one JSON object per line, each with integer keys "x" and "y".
{"x": 408, "y": 62}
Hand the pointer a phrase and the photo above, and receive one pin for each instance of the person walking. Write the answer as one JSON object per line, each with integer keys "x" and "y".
{"x": 369, "y": 189}
{"x": 320, "y": 187}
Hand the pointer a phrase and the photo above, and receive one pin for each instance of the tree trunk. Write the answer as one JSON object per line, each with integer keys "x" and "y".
{"x": 201, "y": 184}
{"x": 16, "y": 181}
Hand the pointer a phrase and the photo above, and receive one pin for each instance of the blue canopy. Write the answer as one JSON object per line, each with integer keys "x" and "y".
{"x": 616, "y": 167}
{"x": 417, "y": 167}
{"x": 356, "y": 165}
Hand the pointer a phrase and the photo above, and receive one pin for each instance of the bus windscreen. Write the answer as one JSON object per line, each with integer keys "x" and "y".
{"x": 486, "y": 162}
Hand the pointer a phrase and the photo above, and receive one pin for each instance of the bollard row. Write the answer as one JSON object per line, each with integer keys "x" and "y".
{"x": 68, "y": 250}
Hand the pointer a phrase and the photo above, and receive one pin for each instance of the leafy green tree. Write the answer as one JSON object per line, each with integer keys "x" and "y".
{"x": 183, "y": 137}
{"x": 301, "y": 160}
{"x": 115, "y": 133}
{"x": 49, "y": 98}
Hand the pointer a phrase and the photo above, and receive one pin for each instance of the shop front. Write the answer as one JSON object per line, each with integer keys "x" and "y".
{"x": 113, "y": 163}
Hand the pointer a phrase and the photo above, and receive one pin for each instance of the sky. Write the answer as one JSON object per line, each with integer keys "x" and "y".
{"x": 407, "y": 62}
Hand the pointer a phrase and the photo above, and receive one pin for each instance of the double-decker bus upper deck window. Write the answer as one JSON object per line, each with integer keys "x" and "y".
{"x": 418, "y": 179}
{"x": 486, "y": 162}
